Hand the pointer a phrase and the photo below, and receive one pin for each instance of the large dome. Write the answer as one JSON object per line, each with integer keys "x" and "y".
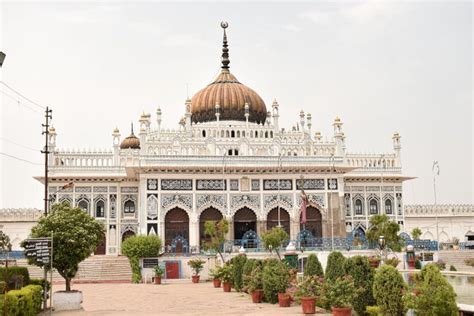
{"x": 231, "y": 96}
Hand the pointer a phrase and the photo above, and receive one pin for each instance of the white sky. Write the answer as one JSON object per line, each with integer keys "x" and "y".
{"x": 381, "y": 66}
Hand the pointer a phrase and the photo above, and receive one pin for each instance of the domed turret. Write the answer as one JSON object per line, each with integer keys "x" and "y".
{"x": 229, "y": 94}
{"x": 130, "y": 142}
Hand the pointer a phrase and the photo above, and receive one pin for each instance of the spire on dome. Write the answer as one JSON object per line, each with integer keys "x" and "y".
{"x": 225, "y": 50}
{"x": 131, "y": 129}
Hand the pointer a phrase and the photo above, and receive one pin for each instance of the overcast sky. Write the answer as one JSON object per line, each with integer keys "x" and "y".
{"x": 380, "y": 66}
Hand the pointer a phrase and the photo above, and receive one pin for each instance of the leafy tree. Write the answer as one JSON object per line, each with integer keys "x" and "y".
{"x": 388, "y": 291}
{"x": 136, "y": 247}
{"x": 416, "y": 233}
{"x": 75, "y": 236}
{"x": 276, "y": 280}
{"x": 313, "y": 266}
{"x": 434, "y": 295}
{"x": 359, "y": 268}
{"x": 273, "y": 239}
{"x": 381, "y": 225}
{"x": 335, "y": 266}
{"x": 5, "y": 245}
{"x": 216, "y": 232}
{"x": 238, "y": 263}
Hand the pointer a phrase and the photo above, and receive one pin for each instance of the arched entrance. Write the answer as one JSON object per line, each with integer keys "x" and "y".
{"x": 244, "y": 220}
{"x": 209, "y": 214}
{"x": 176, "y": 225}
{"x": 272, "y": 219}
{"x": 100, "y": 250}
{"x": 127, "y": 234}
{"x": 314, "y": 222}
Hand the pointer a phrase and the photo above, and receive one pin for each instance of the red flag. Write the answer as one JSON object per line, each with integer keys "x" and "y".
{"x": 304, "y": 203}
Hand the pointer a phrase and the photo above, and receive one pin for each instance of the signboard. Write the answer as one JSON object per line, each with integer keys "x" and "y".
{"x": 150, "y": 262}
{"x": 39, "y": 249}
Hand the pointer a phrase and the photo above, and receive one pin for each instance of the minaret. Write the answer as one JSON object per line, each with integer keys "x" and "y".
{"x": 269, "y": 115}
{"x": 52, "y": 144}
{"x": 187, "y": 115}
{"x": 158, "y": 121}
{"x": 309, "y": 123}
{"x": 338, "y": 137}
{"x": 116, "y": 145}
{"x": 225, "y": 49}
{"x": 397, "y": 146}
{"x": 276, "y": 115}
{"x": 302, "y": 121}
{"x": 218, "y": 112}
{"x": 247, "y": 114}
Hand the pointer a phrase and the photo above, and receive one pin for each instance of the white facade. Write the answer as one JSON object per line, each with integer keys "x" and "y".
{"x": 16, "y": 223}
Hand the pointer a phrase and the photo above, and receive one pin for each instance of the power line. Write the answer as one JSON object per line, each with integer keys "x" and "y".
{"x": 21, "y": 95}
{"x": 21, "y": 159}
{"x": 20, "y": 103}
{"x": 15, "y": 143}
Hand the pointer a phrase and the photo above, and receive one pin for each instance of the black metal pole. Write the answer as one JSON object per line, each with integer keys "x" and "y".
{"x": 48, "y": 115}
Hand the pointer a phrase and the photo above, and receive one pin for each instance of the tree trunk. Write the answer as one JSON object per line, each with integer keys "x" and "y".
{"x": 68, "y": 284}
{"x": 222, "y": 257}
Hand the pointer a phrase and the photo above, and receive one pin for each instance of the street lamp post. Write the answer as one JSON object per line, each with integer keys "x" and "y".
{"x": 435, "y": 170}
{"x": 2, "y": 58}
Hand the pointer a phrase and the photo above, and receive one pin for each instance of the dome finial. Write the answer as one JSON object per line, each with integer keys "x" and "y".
{"x": 131, "y": 128}
{"x": 225, "y": 50}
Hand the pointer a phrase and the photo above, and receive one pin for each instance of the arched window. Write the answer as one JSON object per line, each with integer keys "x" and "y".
{"x": 236, "y": 152}
{"x": 266, "y": 134}
{"x": 358, "y": 207}
{"x": 256, "y": 134}
{"x": 243, "y": 133}
{"x": 226, "y": 133}
{"x": 222, "y": 134}
{"x": 373, "y": 207}
{"x": 271, "y": 134}
{"x": 232, "y": 134}
{"x": 100, "y": 209}
{"x": 84, "y": 205}
{"x": 129, "y": 207}
{"x": 203, "y": 133}
{"x": 238, "y": 133}
{"x": 229, "y": 152}
{"x": 388, "y": 206}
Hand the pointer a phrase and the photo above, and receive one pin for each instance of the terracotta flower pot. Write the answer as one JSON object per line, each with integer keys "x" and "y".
{"x": 342, "y": 311}
{"x": 308, "y": 304}
{"x": 216, "y": 282}
{"x": 158, "y": 280}
{"x": 227, "y": 286}
{"x": 257, "y": 296}
{"x": 411, "y": 264}
{"x": 195, "y": 278}
{"x": 374, "y": 263}
{"x": 283, "y": 300}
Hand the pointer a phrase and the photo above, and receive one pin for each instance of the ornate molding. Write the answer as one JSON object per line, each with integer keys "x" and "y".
{"x": 168, "y": 201}
{"x": 251, "y": 201}
{"x": 270, "y": 201}
{"x": 210, "y": 185}
{"x": 310, "y": 184}
{"x": 316, "y": 199}
{"x": 176, "y": 184}
{"x": 272, "y": 184}
{"x": 219, "y": 201}
{"x": 128, "y": 227}
{"x": 152, "y": 206}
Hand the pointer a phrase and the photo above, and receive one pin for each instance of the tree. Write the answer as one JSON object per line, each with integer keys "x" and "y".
{"x": 416, "y": 233}
{"x": 359, "y": 268}
{"x": 136, "y": 247}
{"x": 434, "y": 295}
{"x": 273, "y": 239}
{"x": 313, "y": 266}
{"x": 276, "y": 279}
{"x": 381, "y": 225}
{"x": 216, "y": 232}
{"x": 388, "y": 291}
{"x": 238, "y": 263}
{"x": 75, "y": 236}
{"x": 335, "y": 266}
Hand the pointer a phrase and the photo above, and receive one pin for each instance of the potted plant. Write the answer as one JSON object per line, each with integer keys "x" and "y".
{"x": 215, "y": 274}
{"x": 393, "y": 262}
{"x": 340, "y": 294}
{"x": 158, "y": 274}
{"x": 196, "y": 265}
{"x": 308, "y": 291}
{"x": 276, "y": 279}
{"x": 455, "y": 243}
{"x": 226, "y": 277}
{"x": 374, "y": 261}
{"x": 256, "y": 284}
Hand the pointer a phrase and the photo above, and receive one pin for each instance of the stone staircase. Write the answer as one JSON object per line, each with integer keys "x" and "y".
{"x": 93, "y": 269}
{"x": 456, "y": 258}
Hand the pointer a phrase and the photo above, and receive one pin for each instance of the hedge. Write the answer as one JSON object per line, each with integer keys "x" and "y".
{"x": 359, "y": 268}
{"x": 24, "y": 302}
{"x": 13, "y": 273}
{"x": 389, "y": 288}
{"x": 238, "y": 263}
{"x": 335, "y": 266}
{"x": 313, "y": 266}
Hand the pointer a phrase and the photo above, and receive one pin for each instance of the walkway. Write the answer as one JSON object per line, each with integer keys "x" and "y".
{"x": 171, "y": 299}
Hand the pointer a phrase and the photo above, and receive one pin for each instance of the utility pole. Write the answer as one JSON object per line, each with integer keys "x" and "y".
{"x": 435, "y": 170}
{"x": 48, "y": 116}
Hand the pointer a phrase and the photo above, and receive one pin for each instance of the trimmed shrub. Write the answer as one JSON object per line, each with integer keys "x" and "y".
{"x": 313, "y": 266}
{"x": 452, "y": 268}
{"x": 238, "y": 263}
{"x": 247, "y": 270}
{"x": 335, "y": 266}
{"x": 441, "y": 265}
{"x": 13, "y": 276}
{"x": 434, "y": 295}
{"x": 359, "y": 268}
{"x": 388, "y": 291}
{"x": 136, "y": 247}
{"x": 275, "y": 280}
{"x": 25, "y": 302}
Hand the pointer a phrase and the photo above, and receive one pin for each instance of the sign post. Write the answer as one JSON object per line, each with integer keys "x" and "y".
{"x": 40, "y": 249}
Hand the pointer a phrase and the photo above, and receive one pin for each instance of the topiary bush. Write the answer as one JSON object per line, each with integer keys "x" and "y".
{"x": 388, "y": 291}
{"x": 313, "y": 266}
{"x": 256, "y": 279}
{"x": 359, "y": 268}
{"x": 24, "y": 302}
{"x": 275, "y": 280}
{"x": 238, "y": 263}
{"x": 136, "y": 247}
{"x": 335, "y": 266}
{"x": 432, "y": 294}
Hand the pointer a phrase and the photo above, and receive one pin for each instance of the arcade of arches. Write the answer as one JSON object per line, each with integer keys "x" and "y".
{"x": 178, "y": 229}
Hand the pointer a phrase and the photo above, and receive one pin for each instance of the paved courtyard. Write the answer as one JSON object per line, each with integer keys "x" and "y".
{"x": 182, "y": 298}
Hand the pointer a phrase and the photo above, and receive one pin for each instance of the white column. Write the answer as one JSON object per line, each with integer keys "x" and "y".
{"x": 142, "y": 205}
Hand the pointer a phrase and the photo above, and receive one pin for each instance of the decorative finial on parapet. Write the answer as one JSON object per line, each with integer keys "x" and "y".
{"x": 225, "y": 49}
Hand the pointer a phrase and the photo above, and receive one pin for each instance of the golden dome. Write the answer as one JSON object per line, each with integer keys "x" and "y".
{"x": 131, "y": 141}
{"x": 231, "y": 96}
